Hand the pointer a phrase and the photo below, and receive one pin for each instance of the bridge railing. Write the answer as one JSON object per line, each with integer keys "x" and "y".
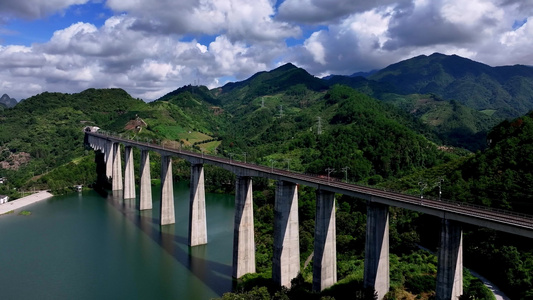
{"x": 323, "y": 178}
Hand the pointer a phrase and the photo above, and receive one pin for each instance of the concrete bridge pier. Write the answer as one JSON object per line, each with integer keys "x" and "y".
{"x": 450, "y": 268}
{"x": 197, "y": 213}
{"x": 167, "y": 192}
{"x": 109, "y": 155}
{"x": 145, "y": 187}
{"x": 117, "y": 168}
{"x": 325, "y": 257}
{"x": 129, "y": 176}
{"x": 286, "y": 258}
{"x": 243, "y": 231}
{"x": 377, "y": 249}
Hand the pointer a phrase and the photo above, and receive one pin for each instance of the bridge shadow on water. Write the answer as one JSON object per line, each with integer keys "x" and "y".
{"x": 216, "y": 275}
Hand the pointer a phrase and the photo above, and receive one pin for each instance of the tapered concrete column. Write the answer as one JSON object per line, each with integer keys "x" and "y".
{"x": 286, "y": 258}
{"x": 197, "y": 217}
{"x": 450, "y": 268}
{"x": 117, "y": 168}
{"x": 377, "y": 249}
{"x": 109, "y": 155}
{"x": 167, "y": 192}
{"x": 145, "y": 188}
{"x": 325, "y": 257}
{"x": 243, "y": 230}
{"x": 129, "y": 176}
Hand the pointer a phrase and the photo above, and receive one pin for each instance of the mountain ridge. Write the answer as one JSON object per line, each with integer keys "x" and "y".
{"x": 506, "y": 89}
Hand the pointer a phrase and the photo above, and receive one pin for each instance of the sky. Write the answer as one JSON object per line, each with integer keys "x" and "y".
{"x": 152, "y": 47}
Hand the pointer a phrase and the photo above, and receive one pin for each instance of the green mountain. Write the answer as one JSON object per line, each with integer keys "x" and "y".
{"x": 499, "y": 177}
{"x": 48, "y": 124}
{"x": 275, "y": 116}
{"x": 287, "y": 118}
{"x": 455, "y": 124}
{"x": 287, "y": 79}
{"x": 506, "y": 91}
{"x": 188, "y": 115}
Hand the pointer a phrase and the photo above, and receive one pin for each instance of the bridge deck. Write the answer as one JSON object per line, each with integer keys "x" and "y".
{"x": 506, "y": 221}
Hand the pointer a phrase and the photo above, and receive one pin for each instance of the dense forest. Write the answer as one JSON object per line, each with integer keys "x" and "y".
{"x": 366, "y": 129}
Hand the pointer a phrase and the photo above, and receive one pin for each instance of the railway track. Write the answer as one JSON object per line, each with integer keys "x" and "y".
{"x": 464, "y": 209}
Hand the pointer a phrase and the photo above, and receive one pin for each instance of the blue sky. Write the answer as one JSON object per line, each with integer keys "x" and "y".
{"x": 150, "y": 48}
{"x": 28, "y": 31}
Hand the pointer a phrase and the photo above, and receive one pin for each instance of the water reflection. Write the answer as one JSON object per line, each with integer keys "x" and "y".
{"x": 216, "y": 275}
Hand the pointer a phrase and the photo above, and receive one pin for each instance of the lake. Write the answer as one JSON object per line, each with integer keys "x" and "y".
{"x": 85, "y": 246}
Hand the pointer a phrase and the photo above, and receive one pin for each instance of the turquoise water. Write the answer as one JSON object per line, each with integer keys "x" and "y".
{"x": 85, "y": 246}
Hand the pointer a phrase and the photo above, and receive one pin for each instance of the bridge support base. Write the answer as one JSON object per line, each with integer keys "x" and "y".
{"x": 117, "y": 168}
{"x": 167, "y": 192}
{"x": 109, "y": 156}
{"x": 325, "y": 257}
{"x": 243, "y": 232}
{"x": 145, "y": 188}
{"x": 377, "y": 249}
{"x": 129, "y": 176}
{"x": 197, "y": 214}
{"x": 286, "y": 258}
{"x": 450, "y": 268}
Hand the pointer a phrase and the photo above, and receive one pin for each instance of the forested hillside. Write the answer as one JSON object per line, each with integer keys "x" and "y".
{"x": 455, "y": 124}
{"x": 367, "y": 131}
{"x": 307, "y": 129}
{"x": 505, "y": 91}
{"x": 45, "y": 132}
{"x": 498, "y": 177}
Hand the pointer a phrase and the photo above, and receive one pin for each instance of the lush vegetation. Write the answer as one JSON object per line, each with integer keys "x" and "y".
{"x": 508, "y": 90}
{"x": 499, "y": 177}
{"x": 287, "y": 118}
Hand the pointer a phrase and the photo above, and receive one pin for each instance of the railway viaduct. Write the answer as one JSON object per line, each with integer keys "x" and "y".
{"x": 286, "y": 258}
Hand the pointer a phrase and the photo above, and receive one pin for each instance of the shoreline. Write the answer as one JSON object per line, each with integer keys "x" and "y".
{"x": 24, "y": 201}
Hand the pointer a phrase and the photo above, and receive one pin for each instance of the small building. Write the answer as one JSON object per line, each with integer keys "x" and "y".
{"x": 4, "y": 199}
{"x": 3, "y": 180}
{"x": 79, "y": 188}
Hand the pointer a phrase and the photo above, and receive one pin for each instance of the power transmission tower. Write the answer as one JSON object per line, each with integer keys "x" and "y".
{"x": 262, "y": 102}
{"x": 319, "y": 126}
{"x": 280, "y": 111}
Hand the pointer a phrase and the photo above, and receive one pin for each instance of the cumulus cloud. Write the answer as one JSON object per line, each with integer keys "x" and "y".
{"x": 237, "y": 19}
{"x": 33, "y": 9}
{"x": 443, "y": 22}
{"x": 353, "y": 45}
{"x": 478, "y": 29}
{"x": 150, "y": 48}
{"x": 115, "y": 55}
{"x": 321, "y": 11}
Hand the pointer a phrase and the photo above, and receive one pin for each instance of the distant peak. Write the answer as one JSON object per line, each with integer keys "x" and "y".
{"x": 286, "y": 67}
{"x": 8, "y": 101}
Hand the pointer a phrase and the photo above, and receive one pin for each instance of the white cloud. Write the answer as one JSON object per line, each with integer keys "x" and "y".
{"x": 315, "y": 48}
{"x": 146, "y": 65}
{"x": 470, "y": 13}
{"x": 479, "y": 29}
{"x": 201, "y": 47}
{"x": 153, "y": 47}
{"x": 236, "y": 19}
